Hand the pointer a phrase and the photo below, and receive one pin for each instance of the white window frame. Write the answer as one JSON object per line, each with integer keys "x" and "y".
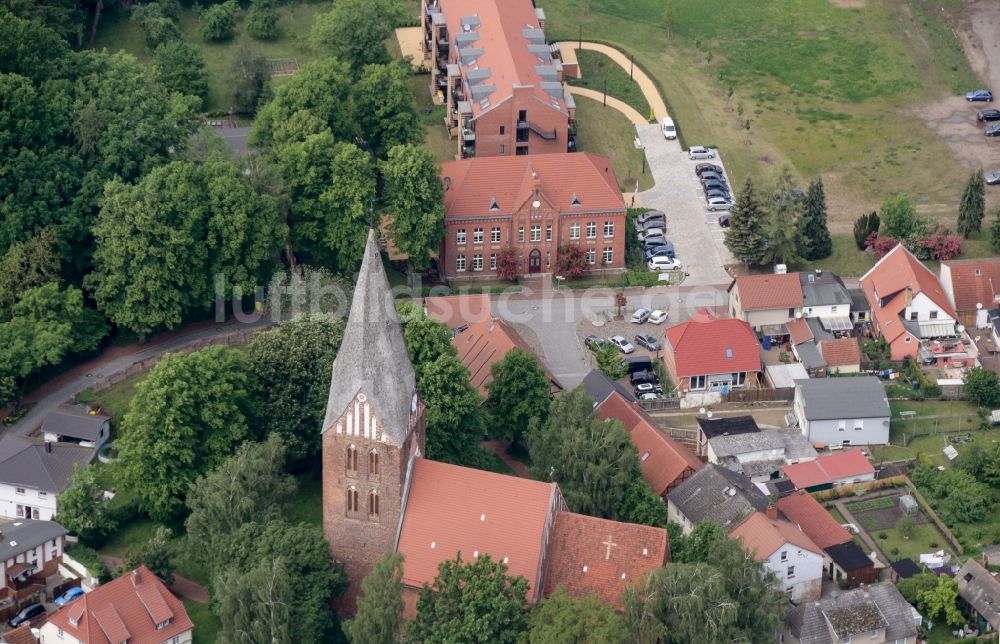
{"x": 477, "y": 235}
{"x": 591, "y": 230}
{"x": 591, "y": 256}
{"x": 495, "y": 235}
{"x": 574, "y": 231}
{"x": 609, "y": 229}
{"x": 460, "y": 236}
{"x": 493, "y": 261}
{"x": 520, "y": 234}
{"x": 460, "y": 263}
{"x": 536, "y": 233}
{"x": 477, "y": 262}
{"x": 548, "y": 233}
{"x": 608, "y": 255}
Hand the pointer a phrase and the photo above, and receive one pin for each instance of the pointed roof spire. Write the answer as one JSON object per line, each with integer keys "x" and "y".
{"x": 372, "y": 359}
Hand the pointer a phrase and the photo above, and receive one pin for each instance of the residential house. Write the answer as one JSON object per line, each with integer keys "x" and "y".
{"x": 876, "y": 614}
{"x": 34, "y": 473}
{"x": 30, "y": 553}
{"x": 825, "y": 298}
{"x": 495, "y": 73}
{"x": 830, "y": 471}
{"x": 664, "y": 462}
{"x": 766, "y": 302}
{"x": 487, "y": 342}
{"x": 911, "y": 310}
{"x": 861, "y": 310}
{"x": 457, "y": 312}
{"x": 980, "y": 592}
{"x": 709, "y": 428}
{"x": 707, "y": 353}
{"x": 20, "y": 635}
{"x": 805, "y": 336}
{"x": 785, "y": 550}
{"x": 716, "y": 495}
{"x": 599, "y": 387}
{"x": 136, "y": 607}
{"x": 972, "y": 287}
{"x": 842, "y": 411}
{"x": 533, "y": 206}
{"x": 842, "y": 355}
{"x": 76, "y": 424}
{"x": 759, "y": 455}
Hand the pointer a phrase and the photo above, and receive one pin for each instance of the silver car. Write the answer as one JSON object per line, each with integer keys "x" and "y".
{"x": 699, "y": 152}
{"x": 993, "y": 178}
{"x": 718, "y": 203}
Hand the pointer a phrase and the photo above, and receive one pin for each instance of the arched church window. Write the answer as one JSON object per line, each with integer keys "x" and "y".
{"x": 352, "y": 499}
{"x": 373, "y": 463}
{"x": 373, "y": 504}
{"x": 352, "y": 459}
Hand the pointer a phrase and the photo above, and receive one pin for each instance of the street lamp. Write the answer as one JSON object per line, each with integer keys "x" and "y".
{"x": 642, "y": 152}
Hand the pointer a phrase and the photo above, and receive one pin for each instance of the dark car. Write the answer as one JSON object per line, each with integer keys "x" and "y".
{"x": 715, "y": 185}
{"x": 724, "y": 221}
{"x": 711, "y": 176}
{"x": 27, "y": 614}
{"x": 635, "y": 364}
{"x": 594, "y": 343}
{"x": 661, "y": 250}
{"x": 643, "y": 376}
{"x": 648, "y": 341}
{"x": 979, "y": 95}
{"x": 988, "y": 115}
{"x": 715, "y": 192}
{"x": 707, "y": 167}
{"x": 650, "y": 224}
{"x": 992, "y": 130}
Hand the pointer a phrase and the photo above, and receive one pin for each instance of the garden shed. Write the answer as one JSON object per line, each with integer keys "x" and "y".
{"x": 908, "y": 504}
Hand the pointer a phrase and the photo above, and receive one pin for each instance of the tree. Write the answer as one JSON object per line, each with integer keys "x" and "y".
{"x": 864, "y": 226}
{"x": 218, "y": 20}
{"x": 679, "y": 603}
{"x": 760, "y": 605}
{"x": 427, "y": 339}
{"x": 471, "y": 602}
{"x": 745, "y": 236}
{"x": 641, "y": 505}
{"x": 507, "y": 268}
{"x": 25, "y": 265}
{"x": 355, "y": 31}
{"x": 784, "y": 225}
{"x": 386, "y": 109}
{"x": 982, "y": 386}
{"x": 995, "y": 232}
{"x": 564, "y": 619}
{"x": 186, "y": 417}
{"x": 518, "y": 392}
{"x": 83, "y": 509}
{"x": 155, "y": 22}
{"x": 972, "y": 209}
{"x": 262, "y": 20}
{"x": 414, "y": 197}
{"x": 941, "y": 600}
{"x": 379, "y": 616}
{"x": 610, "y": 362}
{"x": 899, "y": 218}
{"x": 812, "y": 226}
{"x": 696, "y": 547}
{"x": 156, "y": 554}
{"x": 248, "y": 486}
{"x": 251, "y": 81}
{"x": 292, "y": 365}
{"x": 179, "y": 67}
{"x": 571, "y": 261}
{"x": 912, "y": 587}
{"x": 254, "y": 605}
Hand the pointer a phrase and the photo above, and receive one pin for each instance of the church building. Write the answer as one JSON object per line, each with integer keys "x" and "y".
{"x": 380, "y": 493}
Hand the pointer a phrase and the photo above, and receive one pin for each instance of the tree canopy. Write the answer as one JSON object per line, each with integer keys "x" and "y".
{"x": 386, "y": 109}
{"x": 972, "y": 208}
{"x": 83, "y": 509}
{"x": 519, "y": 392}
{"x": 355, "y": 31}
{"x": 414, "y": 198}
{"x": 379, "y": 616}
{"x": 745, "y": 237}
{"x": 813, "y": 226}
{"x": 564, "y": 619}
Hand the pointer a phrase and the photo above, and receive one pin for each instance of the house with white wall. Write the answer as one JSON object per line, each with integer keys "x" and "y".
{"x": 825, "y": 297}
{"x": 765, "y": 300}
{"x": 76, "y": 424}
{"x": 34, "y": 473}
{"x": 842, "y": 411}
{"x": 29, "y": 551}
{"x": 797, "y": 562}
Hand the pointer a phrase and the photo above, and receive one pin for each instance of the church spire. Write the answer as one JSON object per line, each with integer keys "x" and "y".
{"x": 373, "y": 359}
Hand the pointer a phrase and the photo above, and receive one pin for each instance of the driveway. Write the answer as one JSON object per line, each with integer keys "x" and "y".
{"x": 694, "y": 231}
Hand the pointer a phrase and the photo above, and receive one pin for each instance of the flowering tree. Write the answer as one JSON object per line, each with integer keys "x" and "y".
{"x": 880, "y": 244}
{"x": 507, "y": 264}
{"x": 940, "y": 244}
{"x": 571, "y": 262}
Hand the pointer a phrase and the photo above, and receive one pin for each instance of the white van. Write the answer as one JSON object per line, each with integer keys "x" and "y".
{"x": 669, "y": 129}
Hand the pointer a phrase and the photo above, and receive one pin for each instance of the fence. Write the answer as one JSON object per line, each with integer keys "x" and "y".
{"x": 846, "y": 491}
{"x": 750, "y": 395}
{"x": 926, "y": 507}
{"x": 660, "y": 404}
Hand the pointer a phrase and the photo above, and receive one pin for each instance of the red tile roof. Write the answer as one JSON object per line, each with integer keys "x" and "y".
{"x": 799, "y": 331}
{"x": 829, "y": 468}
{"x": 453, "y": 509}
{"x": 763, "y": 536}
{"x": 20, "y": 635}
{"x": 487, "y": 342}
{"x": 663, "y": 460}
{"x": 473, "y": 184}
{"x": 841, "y": 352}
{"x": 457, "y": 310}
{"x": 591, "y": 555}
{"x": 812, "y": 518}
{"x": 116, "y": 612}
{"x": 707, "y": 345}
{"x": 970, "y": 289}
{"x": 769, "y": 291}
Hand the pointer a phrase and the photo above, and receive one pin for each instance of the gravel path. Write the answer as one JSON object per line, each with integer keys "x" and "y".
{"x": 568, "y": 49}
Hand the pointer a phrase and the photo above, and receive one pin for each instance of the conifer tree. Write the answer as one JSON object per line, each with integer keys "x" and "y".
{"x": 813, "y": 227}
{"x": 745, "y": 235}
{"x": 973, "y": 207}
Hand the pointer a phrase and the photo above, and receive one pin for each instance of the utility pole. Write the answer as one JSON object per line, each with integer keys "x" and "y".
{"x": 631, "y": 64}
{"x": 605, "y": 91}
{"x": 579, "y": 42}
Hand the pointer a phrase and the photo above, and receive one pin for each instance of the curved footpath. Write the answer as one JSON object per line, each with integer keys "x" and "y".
{"x": 645, "y": 83}
{"x": 630, "y": 112}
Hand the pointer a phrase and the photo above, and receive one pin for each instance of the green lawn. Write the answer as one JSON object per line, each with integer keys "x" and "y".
{"x": 920, "y": 541}
{"x": 432, "y": 118}
{"x": 598, "y": 71}
{"x": 129, "y": 536}
{"x": 605, "y": 130}
{"x": 307, "y": 504}
{"x": 826, "y": 89}
{"x": 115, "y": 399}
{"x": 939, "y": 418}
{"x": 846, "y": 260}
{"x": 206, "y": 624}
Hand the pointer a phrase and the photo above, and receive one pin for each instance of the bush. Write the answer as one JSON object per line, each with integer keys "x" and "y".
{"x": 262, "y": 20}
{"x": 864, "y": 226}
{"x": 939, "y": 244}
{"x": 507, "y": 265}
{"x": 219, "y": 20}
{"x": 880, "y": 244}
{"x": 89, "y": 558}
{"x": 571, "y": 261}
{"x": 642, "y": 278}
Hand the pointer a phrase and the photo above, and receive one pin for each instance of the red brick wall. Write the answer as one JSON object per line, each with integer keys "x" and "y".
{"x": 544, "y": 116}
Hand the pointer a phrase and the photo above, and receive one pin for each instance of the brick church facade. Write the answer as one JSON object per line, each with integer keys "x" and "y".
{"x": 380, "y": 494}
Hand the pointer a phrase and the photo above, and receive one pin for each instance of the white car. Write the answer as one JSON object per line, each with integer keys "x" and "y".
{"x": 718, "y": 203}
{"x": 640, "y": 316}
{"x": 662, "y": 263}
{"x": 650, "y": 214}
{"x": 699, "y": 152}
{"x": 649, "y": 396}
{"x": 669, "y": 129}
{"x": 650, "y": 232}
{"x": 658, "y": 317}
{"x": 623, "y": 345}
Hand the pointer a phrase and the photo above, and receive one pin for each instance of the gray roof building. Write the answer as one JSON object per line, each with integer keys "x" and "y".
{"x": 791, "y": 443}
{"x": 74, "y": 422}
{"x": 809, "y": 355}
{"x": 717, "y": 495}
{"x": 373, "y": 357}
{"x": 20, "y": 536}
{"x": 44, "y": 466}
{"x": 836, "y": 398}
{"x": 980, "y": 590}
{"x": 730, "y": 426}
{"x": 853, "y": 612}
{"x": 858, "y": 300}
{"x": 599, "y": 387}
{"x": 823, "y": 288}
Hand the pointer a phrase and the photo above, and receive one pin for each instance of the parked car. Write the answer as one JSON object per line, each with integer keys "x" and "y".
{"x": 594, "y": 343}
{"x": 717, "y": 193}
{"x": 993, "y": 178}
{"x": 979, "y": 95}
{"x": 669, "y": 129}
{"x": 68, "y": 596}
{"x": 992, "y": 130}
{"x": 658, "y": 316}
{"x": 702, "y": 168}
{"x": 650, "y": 232}
{"x": 654, "y": 240}
{"x": 640, "y": 316}
{"x": 27, "y": 614}
{"x": 650, "y": 214}
{"x": 656, "y": 222}
{"x": 665, "y": 249}
{"x": 648, "y": 341}
{"x": 663, "y": 263}
{"x": 699, "y": 152}
{"x": 715, "y": 185}
{"x": 988, "y": 115}
{"x": 648, "y": 396}
{"x": 719, "y": 203}
{"x": 623, "y": 345}
{"x": 711, "y": 176}
{"x": 724, "y": 221}
{"x": 647, "y": 388}
{"x": 638, "y": 364}
{"x": 644, "y": 376}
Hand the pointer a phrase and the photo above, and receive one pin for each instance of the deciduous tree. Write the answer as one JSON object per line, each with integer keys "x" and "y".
{"x": 218, "y": 20}
{"x": 564, "y": 619}
{"x": 27, "y": 264}
{"x": 571, "y": 261}
{"x": 507, "y": 268}
{"x": 745, "y": 237}
{"x": 156, "y": 23}
{"x": 179, "y": 67}
{"x": 519, "y": 391}
{"x": 813, "y": 226}
{"x": 83, "y": 509}
{"x": 250, "y": 81}
{"x": 972, "y": 209}
{"x": 355, "y": 31}
{"x": 609, "y": 361}
{"x": 386, "y": 109}
{"x": 379, "y": 617}
{"x": 899, "y": 218}
{"x": 156, "y": 554}
{"x": 414, "y": 199}
{"x": 255, "y": 605}
{"x": 982, "y": 386}
{"x": 262, "y": 20}
{"x": 696, "y": 546}
{"x": 941, "y": 601}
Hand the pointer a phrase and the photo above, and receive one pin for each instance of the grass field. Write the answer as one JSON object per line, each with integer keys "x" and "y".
{"x": 432, "y": 118}
{"x": 206, "y": 624}
{"x": 934, "y": 420}
{"x": 605, "y": 130}
{"x": 597, "y": 69}
{"x": 115, "y": 399}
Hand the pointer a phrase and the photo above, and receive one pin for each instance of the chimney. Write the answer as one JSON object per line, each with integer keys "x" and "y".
{"x": 772, "y": 511}
{"x": 48, "y": 447}
{"x": 135, "y": 577}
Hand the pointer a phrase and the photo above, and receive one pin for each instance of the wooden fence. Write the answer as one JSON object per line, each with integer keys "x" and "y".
{"x": 750, "y": 395}
{"x": 660, "y": 404}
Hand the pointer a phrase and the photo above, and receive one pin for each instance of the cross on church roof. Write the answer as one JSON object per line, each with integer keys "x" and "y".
{"x": 610, "y": 544}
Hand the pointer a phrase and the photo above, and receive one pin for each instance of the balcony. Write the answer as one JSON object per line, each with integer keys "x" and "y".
{"x": 468, "y": 135}
{"x": 525, "y": 126}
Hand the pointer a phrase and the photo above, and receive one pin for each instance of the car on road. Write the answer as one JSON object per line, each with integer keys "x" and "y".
{"x": 68, "y": 596}
{"x": 663, "y": 263}
{"x": 650, "y": 214}
{"x": 648, "y": 341}
{"x": 719, "y": 203}
{"x": 658, "y": 316}
{"x": 993, "y": 178}
{"x": 979, "y": 95}
{"x": 992, "y": 130}
{"x": 702, "y": 168}
{"x": 594, "y": 343}
{"x": 623, "y": 345}
{"x": 988, "y": 115}
{"x": 724, "y": 221}
{"x": 27, "y": 614}
{"x": 650, "y": 232}
{"x": 640, "y": 316}
{"x": 647, "y": 388}
{"x": 668, "y": 127}
{"x": 699, "y": 152}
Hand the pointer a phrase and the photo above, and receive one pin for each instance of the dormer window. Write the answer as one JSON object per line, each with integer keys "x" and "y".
{"x": 162, "y": 625}
{"x": 575, "y": 202}
{"x": 494, "y": 205}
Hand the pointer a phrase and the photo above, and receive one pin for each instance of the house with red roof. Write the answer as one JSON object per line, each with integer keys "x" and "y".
{"x": 136, "y": 607}
{"x": 973, "y": 288}
{"x": 831, "y": 470}
{"x": 484, "y": 343}
{"x": 458, "y": 311}
{"x": 785, "y": 550}
{"x": 767, "y": 300}
{"x": 707, "y": 353}
{"x": 664, "y": 462}
{"x": 533, "y": 206}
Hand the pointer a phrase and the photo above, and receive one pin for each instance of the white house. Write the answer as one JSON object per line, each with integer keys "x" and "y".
{"x": 824, "y": 296}
{"x": 785, "y": 550}
{"x": 34, "y": 474}
{"x": 29, "y": 549}
{"x": 842, "y": 411}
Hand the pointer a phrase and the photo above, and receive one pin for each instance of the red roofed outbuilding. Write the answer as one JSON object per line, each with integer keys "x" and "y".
{"x": 831, "y": 470}
{"x": 488, "y": 341}
{"x": 707, "y": 353}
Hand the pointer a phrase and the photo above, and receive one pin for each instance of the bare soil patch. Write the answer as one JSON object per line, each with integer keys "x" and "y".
{"x": 849, "y": 4}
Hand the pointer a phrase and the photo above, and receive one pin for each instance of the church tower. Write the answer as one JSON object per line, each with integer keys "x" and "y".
{"x": 374, "y": 428}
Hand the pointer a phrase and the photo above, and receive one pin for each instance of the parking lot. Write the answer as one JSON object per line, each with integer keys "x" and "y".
{"x": 694, "y": 231}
